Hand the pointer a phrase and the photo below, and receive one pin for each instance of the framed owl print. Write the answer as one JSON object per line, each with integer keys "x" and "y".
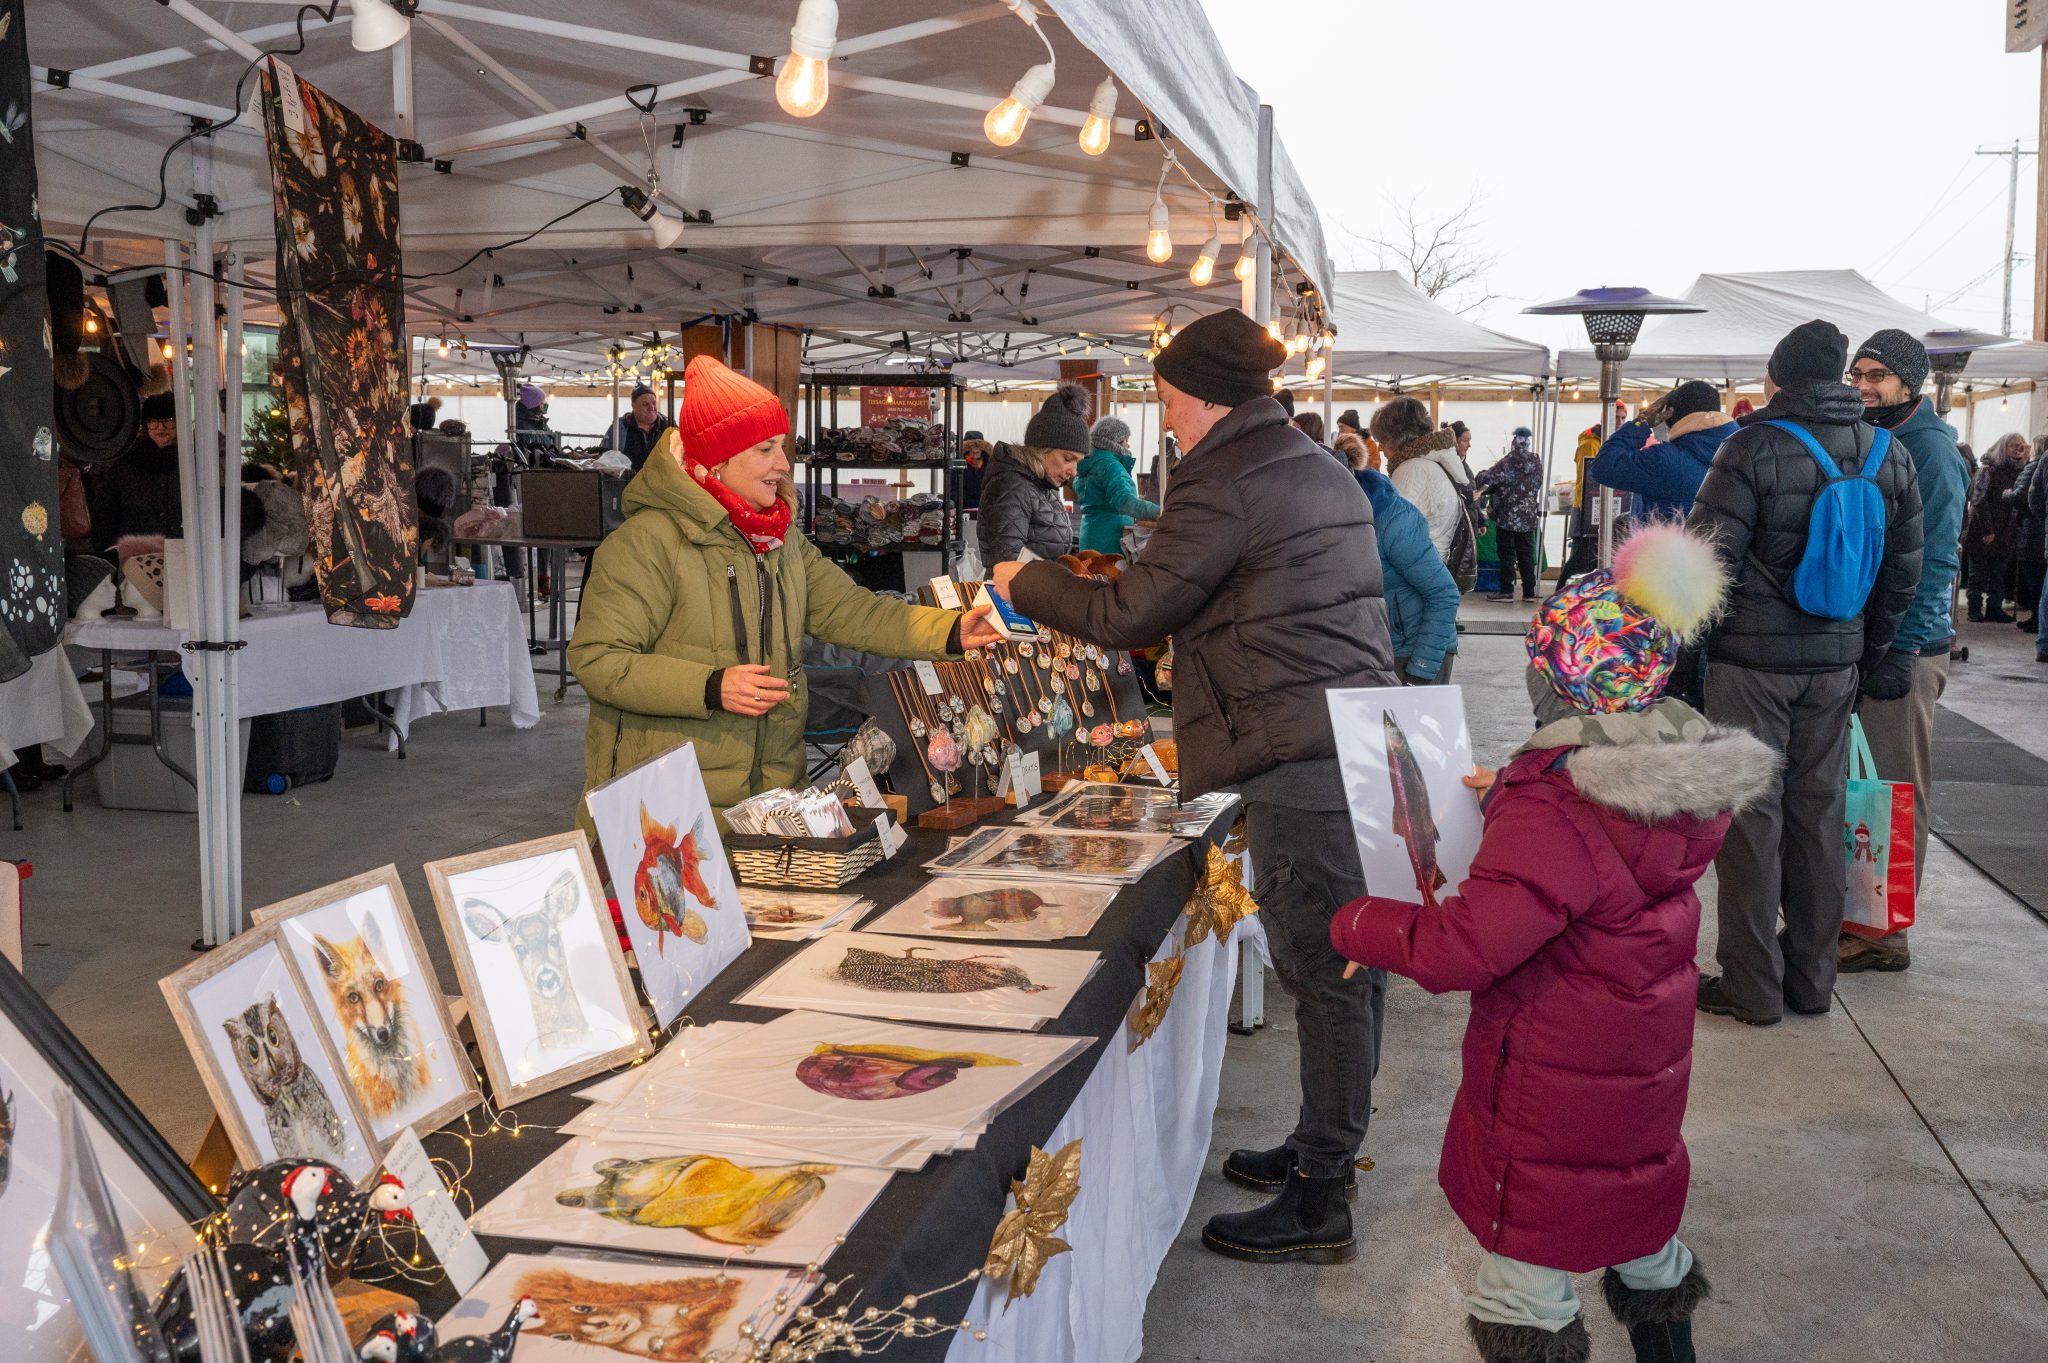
{"x": 264, "y": 1060}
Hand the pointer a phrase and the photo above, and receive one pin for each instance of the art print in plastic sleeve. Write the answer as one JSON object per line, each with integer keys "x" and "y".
{"x": 982, "y": 907}
{"x": 973, "y": 983}
{"x": 793, "y": 914}
{"x": 1404, "y": 752}
{"x": 1013, "y": 852}
{"x": 669, "y": 873}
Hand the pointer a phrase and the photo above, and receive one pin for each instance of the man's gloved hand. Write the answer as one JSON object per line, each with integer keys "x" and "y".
{"x": 1890, "y": 677}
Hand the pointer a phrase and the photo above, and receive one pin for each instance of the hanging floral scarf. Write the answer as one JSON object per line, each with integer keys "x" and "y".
{"x": 764, "y": 530}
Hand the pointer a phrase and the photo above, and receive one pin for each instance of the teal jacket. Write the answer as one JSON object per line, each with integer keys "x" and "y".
{"x": 1944, "y": 490}
{"x": 1109, "y": 500}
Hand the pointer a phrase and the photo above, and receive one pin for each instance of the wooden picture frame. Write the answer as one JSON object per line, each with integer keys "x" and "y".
{"x": 527, "y": 933}
{"x": 417, "y": 988}
{"x": 198, "y": 1023}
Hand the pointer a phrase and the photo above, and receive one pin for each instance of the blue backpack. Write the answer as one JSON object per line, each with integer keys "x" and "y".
{"x": 1844, "y": 532}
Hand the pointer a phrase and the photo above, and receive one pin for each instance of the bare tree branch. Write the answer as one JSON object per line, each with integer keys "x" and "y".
{"x": 1442, "y": 257}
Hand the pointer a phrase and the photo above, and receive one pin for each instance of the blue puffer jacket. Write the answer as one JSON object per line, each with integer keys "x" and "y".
{"x": 1421, "y": 594}
{"x": 1666, "y": 476}
{"x": 1944, "y": 491}
{"x": 1109, "y": 500}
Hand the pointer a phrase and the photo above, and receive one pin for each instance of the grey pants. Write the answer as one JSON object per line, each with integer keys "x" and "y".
{"x": 1306, "y": 862}
{"x": 1901, "y": 734}
{"x": 1786, "y": 851}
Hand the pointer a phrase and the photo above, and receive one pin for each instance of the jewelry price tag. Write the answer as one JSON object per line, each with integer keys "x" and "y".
{"x": 434, "y": 1212}
{"x": 891, "y": 836}
{"x": 945, "y": 593}
{"x": 1158, "y": 768}
{"x": 856, "y": 770}
{"x": 928, "y": 677}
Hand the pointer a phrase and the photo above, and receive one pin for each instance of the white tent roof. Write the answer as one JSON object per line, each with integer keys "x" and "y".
{"x": 1748, "y": 314}
{"x": 1388, "y": 328}
{"x": 853, "y": 219}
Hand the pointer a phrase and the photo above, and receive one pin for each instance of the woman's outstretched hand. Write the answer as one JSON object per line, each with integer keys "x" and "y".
{"x": 977, "y": 627}
{"x": 750, "y": 689}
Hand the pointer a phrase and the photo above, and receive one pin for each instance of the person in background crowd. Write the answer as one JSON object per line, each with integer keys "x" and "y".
{"x": 1742, "y": 408}
{"x": 1516, "y": 483}
{"x": 1421, "y": 595}
{"x": 639, "y": 430}
{"x": 1666, "y": 476}
{"x": 1310, "y": 424}
{"x": 1900, "y": 691}
{"x": 1425, "y": 467}
{"x": 2037, "y": 503}
{"x": 531, "y": 434}
{"x": 1583, "y": 552}
{"x": 1574, "y": 932}
{"x": 1105, "y": 491}
{"x": 1348, "y": 423}
{"x": 2028, "y": 538}
{"x": 1020, "y": 496}
{"x": 138, "y": 494}
{"x": 974, "y": 452}
{"x": 1791, "y": 677}
{"x": 1265, "y": 570}
{"x": 1992, "y": 529}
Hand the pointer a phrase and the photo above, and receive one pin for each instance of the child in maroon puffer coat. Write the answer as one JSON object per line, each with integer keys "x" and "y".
{"x": 1575, "y": 932}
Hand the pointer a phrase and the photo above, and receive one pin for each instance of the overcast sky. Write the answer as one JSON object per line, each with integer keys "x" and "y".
{"x": 1644, "y": 142}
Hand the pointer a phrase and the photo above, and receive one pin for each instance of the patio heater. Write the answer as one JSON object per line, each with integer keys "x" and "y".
{"x": 1947, "y": 352}
{"x": 1614, "y": 318}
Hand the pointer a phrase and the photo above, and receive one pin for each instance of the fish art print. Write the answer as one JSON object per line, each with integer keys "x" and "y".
{"x": 1414, "y": 824}
{"x": 731, "y": 1203}
{"x": 1404, "y": 753}
{"x": 668, "y": 878}
{"x": 866, "y": 1074}
{"x": 981, "y": 911}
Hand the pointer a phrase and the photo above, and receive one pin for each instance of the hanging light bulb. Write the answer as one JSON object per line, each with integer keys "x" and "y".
{"x": 1204, "y": 268}
{"x": 1314, "y": 368}
{"x": 1273, "y": 330}
{"x": 1101, "y": 115}
{"x": 804, "y": 83}
{"x": 1247, "y": 263}
{"x": 92, "y": 325}
{"x": 167, "y": 350}
{"x": 442, "y": 349}
{"x": 1158, "y": 237}
{"x": 1006, "y": 122}
{"x": 376, "y": 25}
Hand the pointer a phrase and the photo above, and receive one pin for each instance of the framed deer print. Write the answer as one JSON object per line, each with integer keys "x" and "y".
{"x": 540, "y": 964}
{"x": 365, "y": 971}
{"x": 264, "y": 1060}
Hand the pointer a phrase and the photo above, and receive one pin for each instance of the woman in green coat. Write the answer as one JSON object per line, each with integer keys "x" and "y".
{"x": 1106, "y": 492}
{"x": 692, "y": 623}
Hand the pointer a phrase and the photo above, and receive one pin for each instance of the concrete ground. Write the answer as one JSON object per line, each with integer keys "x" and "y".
{"x": 1868, "y": 1185}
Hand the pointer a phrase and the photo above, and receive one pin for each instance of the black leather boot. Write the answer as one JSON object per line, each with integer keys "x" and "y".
{"x": 1659, "y": 1322}
{"x": 1308, "y": 1221}
{"x": 1530, "y": 1343}
{"x": 1266, "y": 1170}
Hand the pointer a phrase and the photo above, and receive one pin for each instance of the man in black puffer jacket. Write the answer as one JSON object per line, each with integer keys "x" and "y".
{"x": 1265, "y": 571}
{"x": 1791, "y": 678}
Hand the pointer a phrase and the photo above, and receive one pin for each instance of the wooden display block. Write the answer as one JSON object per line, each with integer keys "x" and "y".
{"x": 1054, "y": 780}
{"x": 363, "y": 1306}
{"x": 956, "y": 814}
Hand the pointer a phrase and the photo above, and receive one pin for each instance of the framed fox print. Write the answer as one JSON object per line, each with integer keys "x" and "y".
{"x": 540, "y": 964}
{"x": 365, "y": 970}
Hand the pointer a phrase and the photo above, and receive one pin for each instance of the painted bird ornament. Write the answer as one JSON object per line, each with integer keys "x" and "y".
{"x": 669, "y": 876}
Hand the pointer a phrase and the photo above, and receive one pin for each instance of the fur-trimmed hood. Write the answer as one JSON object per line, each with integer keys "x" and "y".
{"x": 1433, "y": 444}
{"x": 1655, "y": 764}
{"x": 1700, "y": 421}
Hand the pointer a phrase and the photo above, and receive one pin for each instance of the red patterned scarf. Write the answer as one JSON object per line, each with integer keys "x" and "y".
{"x": 764, "y": 530}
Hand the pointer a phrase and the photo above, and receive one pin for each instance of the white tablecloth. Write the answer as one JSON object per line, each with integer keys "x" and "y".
{"x": 462, "y": 648}
{"x": 1143, "y": 1119}
{"x": 43, "y": 705}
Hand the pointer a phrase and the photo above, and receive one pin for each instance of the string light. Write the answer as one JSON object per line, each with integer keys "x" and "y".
{"x": 1101, "y": 113}
{"x": 92, "y": 325}
{"x": 804, "y": 83}
{"x": 1158, "y": 234}
{"x": 1247, "y": 263}
{"x": 1006, "y": 122}
{"x": 1204, "y": 268}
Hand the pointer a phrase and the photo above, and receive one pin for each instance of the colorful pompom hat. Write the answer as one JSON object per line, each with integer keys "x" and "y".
{"x": 1607, "y": 642}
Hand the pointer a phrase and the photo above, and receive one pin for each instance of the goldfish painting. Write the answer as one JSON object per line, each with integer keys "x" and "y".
{"x": 1414, "y": 823}
{"x": 719, "y": 1200}
{"x": 978, "y": 911}
{"x": 868, "y": 1074}
{"x": 669, "y": 871}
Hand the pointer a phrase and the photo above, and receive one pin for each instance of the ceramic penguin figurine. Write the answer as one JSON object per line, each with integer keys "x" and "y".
{"x": 310, "y": 1204}
{"x": 495, "y": 1347}
{"x": 400, "y": 1338}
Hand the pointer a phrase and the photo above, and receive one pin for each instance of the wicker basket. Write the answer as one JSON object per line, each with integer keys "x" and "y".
{"x": 807, "y": 863}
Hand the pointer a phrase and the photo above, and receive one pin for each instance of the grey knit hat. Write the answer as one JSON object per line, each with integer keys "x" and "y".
{"x": 1109, "y": 433}
{"x": 1899, "y": 352}
{"x": 1062, "y": 422}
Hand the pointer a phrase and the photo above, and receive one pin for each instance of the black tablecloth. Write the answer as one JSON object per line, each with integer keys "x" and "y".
{"x": 931, "y": 1227}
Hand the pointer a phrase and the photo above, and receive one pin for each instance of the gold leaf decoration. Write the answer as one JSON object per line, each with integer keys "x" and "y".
{"x": 1161, "y": 979}
{"x": 1239, "y": 839}
{"x": 1024, "y": 1241}
{"x": 1219, "y": 902}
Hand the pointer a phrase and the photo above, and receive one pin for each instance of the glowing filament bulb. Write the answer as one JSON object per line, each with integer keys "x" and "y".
{"x": 1101, "y": 113}
{"x": 1204, "y": 268}
{"x": 1158, "y": 239}
{"x": 804, "y": 83}
{"x": 1006, "y": 122}
{"x": 1273, "y": 330}
{"x": 1247, "y": 265}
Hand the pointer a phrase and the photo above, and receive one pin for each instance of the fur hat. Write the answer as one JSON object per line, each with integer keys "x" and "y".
{"x": 1061, "y": 422}
{"x": 1109, "y": 432}
{"x": 1607, "y": 642}
{"x": 160, "y": 407}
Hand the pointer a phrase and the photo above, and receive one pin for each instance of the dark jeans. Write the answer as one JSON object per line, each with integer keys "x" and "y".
{"x": 2030, "y": 573}
{"x": 1987, "y": 582}
{"x": 1583, "y": 558}
{"x": 1784, "y": 853}
{"x": 1517, "y": 550}
{"x": 1306, "y": 862}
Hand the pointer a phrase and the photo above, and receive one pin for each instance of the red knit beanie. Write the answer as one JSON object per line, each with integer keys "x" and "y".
{"x": 724, "y": 413}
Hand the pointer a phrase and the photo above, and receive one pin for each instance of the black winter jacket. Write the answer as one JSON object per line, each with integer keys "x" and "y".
{"x": 1756, "y": 502}
{"x": 2037, "y": 508}
{"x": 137, "y": 494}
{"x": 1265, "y": 570}
{"x": 2027, "y": 544}
{"x": 1018, "y": 510}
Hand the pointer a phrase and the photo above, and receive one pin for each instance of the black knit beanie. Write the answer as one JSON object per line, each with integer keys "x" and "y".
{"x": 1899, "y": 352}
{"x": 1061, "y": 423}
{"x": 1283, "y": 396}
{"x": 1812, "y": 352}
{"x": 1689, "y": 398}
{"x": 160, "y": 407}
{"x": 1349, "y": 417}
{"x": 1225, "y": 358}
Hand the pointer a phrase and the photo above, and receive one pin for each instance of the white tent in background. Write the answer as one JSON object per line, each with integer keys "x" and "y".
{"x": 1748, "y": 314}
{"x": 1388, "y": 328}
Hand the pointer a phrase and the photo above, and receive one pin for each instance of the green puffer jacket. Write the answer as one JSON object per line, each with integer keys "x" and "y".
{"x": 675, "y": 594}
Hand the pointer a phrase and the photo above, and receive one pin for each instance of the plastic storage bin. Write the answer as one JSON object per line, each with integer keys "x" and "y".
{"x": 132, "y": 778}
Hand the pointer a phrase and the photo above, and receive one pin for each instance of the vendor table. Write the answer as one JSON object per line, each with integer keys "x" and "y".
{"x": 43, "y": 705}
{"x": 557, "y": 551}
{"x": 1143, "y": 1116}
{"x": 462, "y": 648}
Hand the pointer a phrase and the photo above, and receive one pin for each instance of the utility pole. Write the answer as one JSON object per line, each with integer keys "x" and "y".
{"x": 2012, "y": 208}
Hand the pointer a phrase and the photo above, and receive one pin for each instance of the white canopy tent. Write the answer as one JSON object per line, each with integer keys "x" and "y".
{"x": 1389, "y": 329}
{"x": 888, "y": 223}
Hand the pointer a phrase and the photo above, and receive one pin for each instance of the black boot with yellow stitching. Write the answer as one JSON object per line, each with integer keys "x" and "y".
{"x": 1308, "y": 1223}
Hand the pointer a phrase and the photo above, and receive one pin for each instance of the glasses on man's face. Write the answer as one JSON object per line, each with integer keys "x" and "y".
{"x": 159, "y": 423}
{"x": 1874, "y": 374}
